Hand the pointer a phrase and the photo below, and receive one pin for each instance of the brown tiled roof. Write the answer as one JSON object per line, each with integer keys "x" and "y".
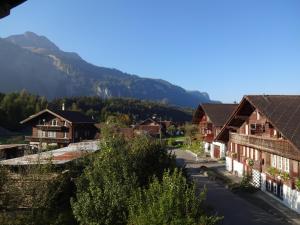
{"x": 7, "y": 5}
{"x": 283, "y": 111}
{"x": 218, "y": 113}
{"x": 71, "y": 116}
{"x": 74, "y": 116}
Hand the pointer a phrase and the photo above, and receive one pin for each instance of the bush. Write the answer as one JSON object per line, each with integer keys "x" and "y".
{"x": 105, "y": 187}
{"x": 171, "y": 201}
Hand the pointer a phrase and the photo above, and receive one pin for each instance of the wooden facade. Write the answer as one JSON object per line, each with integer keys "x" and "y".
{"x": 210, "y": 119}
{"x": 257, "y": 140}
{"x": 60, "y": 128}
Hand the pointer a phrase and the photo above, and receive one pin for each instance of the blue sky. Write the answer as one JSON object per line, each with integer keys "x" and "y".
{"x": 227, "y": 48}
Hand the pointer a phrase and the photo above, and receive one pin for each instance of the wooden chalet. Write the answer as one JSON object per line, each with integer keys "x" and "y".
{"x": 154, "y": 127}
{"x": 59, "y": 127}
{"x": 210, "y": 119}
{"x": 263, "y": 142}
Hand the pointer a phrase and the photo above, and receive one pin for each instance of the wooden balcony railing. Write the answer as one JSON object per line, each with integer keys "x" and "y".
{"x": 257, "y": 165}
{"x": 47, "y": 139}
{"x": 276, "y": 146}
{"x": 50, "y": 127}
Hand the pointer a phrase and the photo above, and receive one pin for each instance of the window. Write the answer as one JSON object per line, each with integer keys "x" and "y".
{"x": 279, "y": 162}
{"x": 44, "y": 134}
{"x": 54, "y": 122}
{"x": 256, "y": 155}
{"x": 248, "y": 152}
{"x": 273, "y": 160}
{"x": 275, "y": 188}
{"x": 280, "y": 187}
{"x": 86, "y": 133}
{"x": 286, "y": 165}
{"x": 40, "y": 133}
{"x": 52, "y": 134}
{"x": 269, "y": 185}
{"x": 253, "y": 127}
{"x": 244, "y": 151}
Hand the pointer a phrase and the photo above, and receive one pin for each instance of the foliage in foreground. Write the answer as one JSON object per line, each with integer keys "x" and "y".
{"x": 126, "y": 183}
{"x": 104, "y": 189}
{"x": 171, "y": 201}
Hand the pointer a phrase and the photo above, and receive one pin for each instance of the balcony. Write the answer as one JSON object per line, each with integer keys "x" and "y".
{"x": 50, "y": 127}
{"x": 48, "y": 139}
{"x": 271, "y": 145}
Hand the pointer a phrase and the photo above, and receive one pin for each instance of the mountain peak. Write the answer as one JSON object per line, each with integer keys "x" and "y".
{"x": 32, "y": 40}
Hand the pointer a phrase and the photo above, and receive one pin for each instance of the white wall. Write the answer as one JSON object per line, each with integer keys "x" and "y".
{"x": 222, "y": 149}
{"x": 238, "y": 168}
{"x": 206, "y": 147}
{"x": 228, "y": 164}
{"x": 291, "y": 198}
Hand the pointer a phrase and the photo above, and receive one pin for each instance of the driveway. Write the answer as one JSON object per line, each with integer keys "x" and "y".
{"x": 236, "y": 210}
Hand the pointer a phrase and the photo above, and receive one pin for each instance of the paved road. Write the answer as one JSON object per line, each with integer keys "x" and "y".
{"x": 236, "y": 210}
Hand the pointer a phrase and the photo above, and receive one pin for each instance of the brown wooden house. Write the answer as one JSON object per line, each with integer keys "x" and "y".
{"x": 210, "y": 119}
{"x": 263, "y": 139}
{"x": 59, "y": 127}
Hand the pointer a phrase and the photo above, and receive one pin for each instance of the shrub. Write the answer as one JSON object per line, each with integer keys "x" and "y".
{"x": 105, "y": 187}
{"x": 171, "y": 201}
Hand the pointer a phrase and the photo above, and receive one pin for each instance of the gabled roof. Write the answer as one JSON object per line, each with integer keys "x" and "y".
{"x": 218, "y": 113}
{"x": 70, "y": 116}
{"x": 7, "y": 5}
{"x": 282, "y": 111}
{"x": 147, "y": 121}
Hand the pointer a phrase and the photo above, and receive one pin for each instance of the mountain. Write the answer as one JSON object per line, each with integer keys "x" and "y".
{"x": 32, "y": 62}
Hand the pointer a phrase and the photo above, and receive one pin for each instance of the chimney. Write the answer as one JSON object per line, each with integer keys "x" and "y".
{"x": 63, "y": 107}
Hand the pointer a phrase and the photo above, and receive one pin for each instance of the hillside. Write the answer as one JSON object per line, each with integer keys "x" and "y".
{"x": 15, "y": 107}
{"x": 32, "y": 62}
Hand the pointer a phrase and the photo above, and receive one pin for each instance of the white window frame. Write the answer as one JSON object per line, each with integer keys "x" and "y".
{"x": 40, "y": 133}
{"x": 247, "y": 129}
{"x": 273, "y": 160}
{"x": 54, "y": 122}
{"x": 52, "y": 134}
{"x": 279, "y": 162}
{"x": 255, "y": 154}
{"x": 286, "y": 165}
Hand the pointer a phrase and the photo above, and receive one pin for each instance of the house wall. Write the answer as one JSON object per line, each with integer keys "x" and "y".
{"x": 66, "y": 131}
{"x": 206, "y": 129}
{"x": 283, "y": 191}
{"x": 218, "y": 147}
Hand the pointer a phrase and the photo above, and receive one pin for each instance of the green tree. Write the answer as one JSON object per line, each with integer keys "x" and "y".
{"x": 190, "y": 131}
{"x": 171, "y": 201}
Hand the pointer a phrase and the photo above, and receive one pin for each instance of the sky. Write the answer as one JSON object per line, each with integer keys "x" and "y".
{"x": 228, "y": 48}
